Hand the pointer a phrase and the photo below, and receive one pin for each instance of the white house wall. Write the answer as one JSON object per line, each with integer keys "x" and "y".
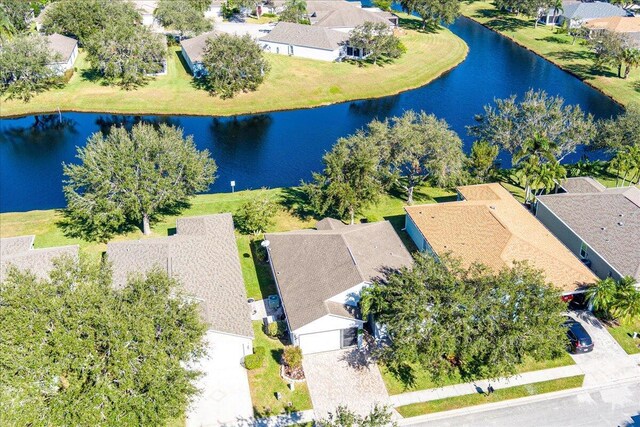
{"x": 351, "y": 296}
{"x": 328, "y": 323}
{"x": 302, "y": 52}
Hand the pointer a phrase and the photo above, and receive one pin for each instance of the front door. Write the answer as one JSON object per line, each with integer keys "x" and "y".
{"x": 349, "y": 337}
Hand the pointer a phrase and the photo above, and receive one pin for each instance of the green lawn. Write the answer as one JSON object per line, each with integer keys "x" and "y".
{"x": 266, "y": 381}
{"x": 424, "y": 381}
{"x": 499, "y": 395}
{"x": 557, "y": 48}
{"x": 292, "y": 83}
{"x": 624, "y": 333}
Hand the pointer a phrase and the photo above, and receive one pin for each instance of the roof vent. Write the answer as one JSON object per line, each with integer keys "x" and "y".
{"x": 603, "y": 228}
{"x": 621, "y": 215}
{"x": 620, "y": 224}
{"x": 492, "y": 207}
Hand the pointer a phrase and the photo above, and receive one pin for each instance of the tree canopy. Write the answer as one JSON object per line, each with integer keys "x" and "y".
{"x": 433, "y": 12}
{"x": 526, "y": 7}
{"x": 182, "y": 16}
{"x": 377, "y": 40}
{"x": 24, "y": 67}
{"x": 128, "y": 179}
{"x": 233, "y": 64}
{"x": 82, "y": 19}
{"x": 449, "y": 320}
{"x": 380, "y": 416}
{"x": 256, "y": 214}
{"x": 419, "y": 147}
{"x": 294, "y": 11}
{"x": 352, "y": 178}
{"x": 18, "y": 14}
{"x": 620, "y": 136}
{"x": 482, "y": 160}
{"x": 126, "y": 54}
{"x": 75, "y": 351}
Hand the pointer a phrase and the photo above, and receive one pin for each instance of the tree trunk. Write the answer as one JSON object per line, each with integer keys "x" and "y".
{"x": 620, "y": 70}
{"x": 146, "y": 227}
{"x": 410, "y": 195}
{"x": 352, "y": 213}
{"x": 627, "y": 71}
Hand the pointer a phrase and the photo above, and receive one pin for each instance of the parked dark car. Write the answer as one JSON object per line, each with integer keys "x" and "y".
{"x": 580, "y": 340}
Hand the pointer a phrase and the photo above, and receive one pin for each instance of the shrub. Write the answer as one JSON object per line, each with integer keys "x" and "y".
{"x": 292, "y": 357}
{"x": 67, "y": 75}
{"x": 260, "y": 351}
{"x": 275, "y": 329}
{"x": 252, "y": 361}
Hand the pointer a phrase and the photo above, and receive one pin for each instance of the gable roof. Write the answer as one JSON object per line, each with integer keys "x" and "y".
{"x": 619, "y": 24}
{"x": 62, "y": 45}
{"x": 592, "y": 10}
{"x": 312, "y": 266}
{"x": 203, "y": 256}
{"x": 341, "y": 14}
{"x": 194, "y": 47}
{"x": 490, "y": 227}
{"x": 19, "y": 252}
{"x": 582, "y": 184}
{"x": 607, "y": 220}
{"x": 305, "y": 36}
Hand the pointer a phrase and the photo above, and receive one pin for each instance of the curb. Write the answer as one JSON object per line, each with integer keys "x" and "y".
{"x": 514, "y": 402}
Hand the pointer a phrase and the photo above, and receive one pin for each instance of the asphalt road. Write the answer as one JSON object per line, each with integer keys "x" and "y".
{"x": 613, "y": 406}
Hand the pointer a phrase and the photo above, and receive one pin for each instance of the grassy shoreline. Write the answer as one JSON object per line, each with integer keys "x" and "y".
{"x": 293, "y": 83}
{"x": 576, "y": 59}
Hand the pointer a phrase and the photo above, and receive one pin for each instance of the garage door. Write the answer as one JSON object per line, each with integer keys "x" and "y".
{"x": 320, "y": 341}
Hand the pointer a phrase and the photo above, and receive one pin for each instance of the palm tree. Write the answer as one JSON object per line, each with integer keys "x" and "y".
{"x": 7, "y": 31}
{"x": 530, "y": 158}
{"x": 631, "y": 58}
{"x": 602, "y": 295}
{"x": 627, "y": 306}
{"x": 557, "y": 8}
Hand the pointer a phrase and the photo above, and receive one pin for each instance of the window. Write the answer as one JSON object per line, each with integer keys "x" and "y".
{"x": 349, "y": 337}
{"x": 583, "y": 250}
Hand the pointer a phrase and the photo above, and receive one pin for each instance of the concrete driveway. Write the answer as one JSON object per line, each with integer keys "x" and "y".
{"x": 225, "y": 395}
{"x": 345, "y": 378}
{"x": 607, "y": 362}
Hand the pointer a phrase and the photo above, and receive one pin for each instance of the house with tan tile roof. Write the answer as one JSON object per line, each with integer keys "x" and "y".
{"x": 488, "y": 226}
{"x": 599, "y": 225}
{"x": 320, "y": 274}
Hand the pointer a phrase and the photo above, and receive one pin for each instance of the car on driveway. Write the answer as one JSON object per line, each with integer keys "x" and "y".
{"x": 580, "y": 341}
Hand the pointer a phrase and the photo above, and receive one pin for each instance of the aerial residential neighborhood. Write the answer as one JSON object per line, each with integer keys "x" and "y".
{"x": 332, "y": 213}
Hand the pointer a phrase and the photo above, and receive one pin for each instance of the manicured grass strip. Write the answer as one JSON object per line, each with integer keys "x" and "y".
{"x": 266, "y": 381}
{"x": 292, "y": 83}
{"x": 423, "y": 380}
{"x": 576, "y": 58}
{"x": 499, "y": 395}
{"x": 624, "y": 333}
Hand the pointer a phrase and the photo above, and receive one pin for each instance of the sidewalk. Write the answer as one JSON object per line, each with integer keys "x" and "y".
{"x": 481, "y": 386}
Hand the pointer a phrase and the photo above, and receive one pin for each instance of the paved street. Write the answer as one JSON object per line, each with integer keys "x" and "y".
{"x": 615, "y": 406}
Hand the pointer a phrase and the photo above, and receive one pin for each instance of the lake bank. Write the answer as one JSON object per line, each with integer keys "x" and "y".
{"x": 556, "y": 48}
{"x": 293, "y": 83}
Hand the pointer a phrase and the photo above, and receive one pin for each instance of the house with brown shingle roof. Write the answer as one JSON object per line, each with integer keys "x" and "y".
{"x": 599, "y": 225}
{"x": 203, "y": 257}
{"x": 488, "y": 226}
{"x": 320, "y": 274}
{"x": 18, "y": 252}
{"x": 628, "y": 26}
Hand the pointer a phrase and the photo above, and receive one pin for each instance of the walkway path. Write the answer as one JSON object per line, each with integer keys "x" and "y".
{"x": 481, "y": 386}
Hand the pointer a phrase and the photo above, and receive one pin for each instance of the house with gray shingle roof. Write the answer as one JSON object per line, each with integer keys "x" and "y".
{"x": 203, "y": 257}
{"x": 66, "y": 51}
{"x": 320, "y": 274}
{"x": 18, "y": 252}
{"x": 600, "y": 225}
{"x": 579, "y": 12}
{"x": 193, "y": 51}
{"x": 305, "y": 41}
